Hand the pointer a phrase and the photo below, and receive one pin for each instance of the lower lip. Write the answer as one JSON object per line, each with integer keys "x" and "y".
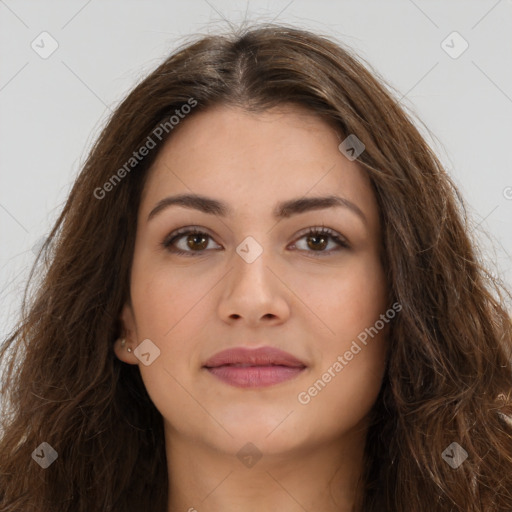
{"x": 255, "y": 376}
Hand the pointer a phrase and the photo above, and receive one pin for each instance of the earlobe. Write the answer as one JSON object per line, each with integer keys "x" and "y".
{"x": 122, "y": 353}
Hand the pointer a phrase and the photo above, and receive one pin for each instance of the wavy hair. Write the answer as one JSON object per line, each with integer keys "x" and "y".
{"x": 449, "y": 373}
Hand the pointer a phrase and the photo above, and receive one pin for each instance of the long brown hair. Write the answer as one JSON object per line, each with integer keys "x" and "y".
{"x": 448, "y": 378}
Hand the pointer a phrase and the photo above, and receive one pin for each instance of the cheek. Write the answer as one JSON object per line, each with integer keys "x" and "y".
{"x": 350, "y": 305}
{"x": 164, "y": 298}
{"x": 173, "y": 311}
{"x": 345, "y": 384}
{"x": 346, "y": 399}
{"x": 348, "y": 298}
{"x": 170, "y": 312}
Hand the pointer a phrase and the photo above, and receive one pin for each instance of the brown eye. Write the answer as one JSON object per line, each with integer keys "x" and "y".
{"x": 187, "y": 242}
{"x": 317, "y": 242}
{"x": 194, "y": 242}
{"x": 197, "y": 242}
{"x": 317, "y": 239}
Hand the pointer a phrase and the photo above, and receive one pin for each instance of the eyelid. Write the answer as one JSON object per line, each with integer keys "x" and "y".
{"x": 334, "y": 235}
{"x": 185, "y": 230}
{"x": 321, "y": 228}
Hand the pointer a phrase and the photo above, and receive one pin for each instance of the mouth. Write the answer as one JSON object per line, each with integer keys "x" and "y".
{"x": 253, "y": 368}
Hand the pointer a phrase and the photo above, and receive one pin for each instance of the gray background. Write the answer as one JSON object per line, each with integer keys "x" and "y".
{"x": 52, "y": 109}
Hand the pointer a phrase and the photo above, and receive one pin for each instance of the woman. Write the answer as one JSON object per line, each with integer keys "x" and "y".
{"x": 261, "y": 294}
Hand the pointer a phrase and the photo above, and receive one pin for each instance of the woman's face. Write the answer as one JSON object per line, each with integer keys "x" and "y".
{"x": 254, "y": 278}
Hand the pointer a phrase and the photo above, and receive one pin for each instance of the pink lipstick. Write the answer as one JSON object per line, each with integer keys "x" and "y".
{"x": 252, "y": 368}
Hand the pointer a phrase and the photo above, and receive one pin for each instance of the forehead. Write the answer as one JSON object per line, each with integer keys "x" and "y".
{"x": 256, "y": 158}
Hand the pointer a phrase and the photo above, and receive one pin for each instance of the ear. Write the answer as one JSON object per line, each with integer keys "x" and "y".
{"x": 129, "y": 334}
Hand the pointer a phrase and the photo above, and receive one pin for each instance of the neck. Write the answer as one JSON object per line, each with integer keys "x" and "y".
{"x": 321, "y": 477}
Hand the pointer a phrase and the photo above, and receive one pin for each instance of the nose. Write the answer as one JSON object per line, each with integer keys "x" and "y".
{"x": 254, "y": 293}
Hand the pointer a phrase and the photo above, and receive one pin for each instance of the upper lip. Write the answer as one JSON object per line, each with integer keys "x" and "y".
{"x": 263, "y": 356}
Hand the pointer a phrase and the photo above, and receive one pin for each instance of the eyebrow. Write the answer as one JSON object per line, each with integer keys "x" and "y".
{"x": 283, "y": 210}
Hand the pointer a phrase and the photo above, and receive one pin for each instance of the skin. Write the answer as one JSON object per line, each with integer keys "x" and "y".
{"x": 192, "y": 307}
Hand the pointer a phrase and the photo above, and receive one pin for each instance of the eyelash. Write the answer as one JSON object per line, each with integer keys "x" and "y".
{"x": 192, "y": 230}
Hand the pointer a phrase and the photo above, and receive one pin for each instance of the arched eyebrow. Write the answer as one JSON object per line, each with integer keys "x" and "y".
{"x": 282, "y": 210}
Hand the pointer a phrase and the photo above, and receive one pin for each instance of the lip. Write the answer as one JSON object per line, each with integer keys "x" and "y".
{"x": 250, "y": 368}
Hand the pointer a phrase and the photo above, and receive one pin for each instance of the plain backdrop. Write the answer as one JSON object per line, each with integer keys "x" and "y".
{"x": 51, "y": 109}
